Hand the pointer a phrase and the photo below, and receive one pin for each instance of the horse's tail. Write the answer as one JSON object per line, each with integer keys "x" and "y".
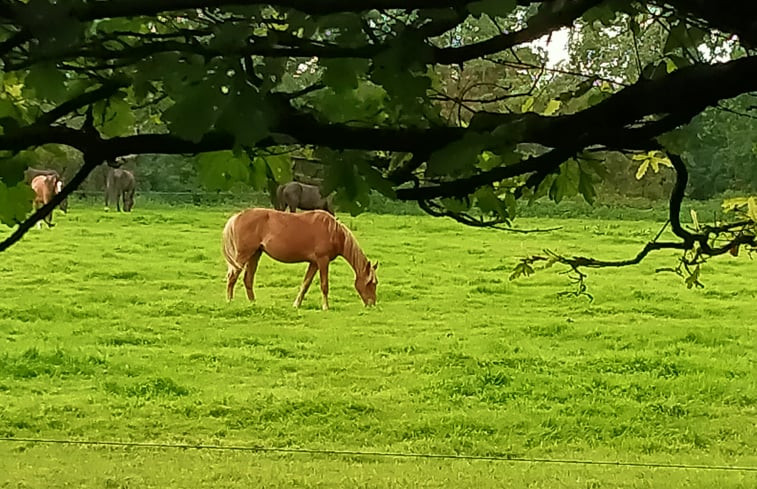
{"x": 279, "y": 203}
{"x": 230, "y": 244}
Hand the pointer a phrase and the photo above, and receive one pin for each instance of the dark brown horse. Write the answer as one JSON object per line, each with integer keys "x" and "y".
{"x": 315, "y": 237}
{"x": 120, "y": 185}
{"x": 45, "y": 188}
{"x": 303, "y": 196}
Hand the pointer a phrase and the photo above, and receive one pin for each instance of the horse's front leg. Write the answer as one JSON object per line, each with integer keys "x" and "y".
{"x": 306, "y": 284}
{"x": 249, "y": 274}
{"x": 323, "y": 267}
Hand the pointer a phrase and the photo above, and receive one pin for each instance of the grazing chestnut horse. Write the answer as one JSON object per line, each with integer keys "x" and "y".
{"x": 315, "y": 237}
{"x": 45, "y": 187}
{"x": 306, "y": 197}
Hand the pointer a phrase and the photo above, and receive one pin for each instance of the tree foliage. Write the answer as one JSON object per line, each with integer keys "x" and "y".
{"x": 450, "y": 104}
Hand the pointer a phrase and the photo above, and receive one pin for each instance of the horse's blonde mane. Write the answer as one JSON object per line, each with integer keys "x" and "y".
{"x": 351, "y": 251}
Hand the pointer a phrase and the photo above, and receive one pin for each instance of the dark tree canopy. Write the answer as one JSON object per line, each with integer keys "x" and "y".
{"x": 447, "y": 103}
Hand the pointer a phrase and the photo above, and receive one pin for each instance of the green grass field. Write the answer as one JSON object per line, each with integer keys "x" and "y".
{"x": 115, "y": 327}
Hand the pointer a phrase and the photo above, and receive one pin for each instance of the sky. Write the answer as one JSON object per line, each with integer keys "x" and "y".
{"x": 557, "y": 47}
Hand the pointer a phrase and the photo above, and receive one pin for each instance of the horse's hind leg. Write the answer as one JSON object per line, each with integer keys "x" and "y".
{"x": 231, "y": 280}
{"x": 306, "y": 284}
{"x": 249, "y": 274}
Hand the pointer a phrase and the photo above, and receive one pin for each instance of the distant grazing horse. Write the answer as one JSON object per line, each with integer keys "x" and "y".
{"x": 301, "y": 195}
{"x": 30, "y": 173}
{"x": 45, "y": 188}
{"x": 119, "y": 185}
{"x": 315, "y": 237}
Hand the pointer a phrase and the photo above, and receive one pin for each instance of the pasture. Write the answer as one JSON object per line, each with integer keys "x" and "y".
{"x": 115, "y": 327}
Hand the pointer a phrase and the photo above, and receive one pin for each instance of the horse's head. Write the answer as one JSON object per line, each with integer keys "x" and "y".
{"x": 365, "y": 284}
{"x": 58, "y": 187}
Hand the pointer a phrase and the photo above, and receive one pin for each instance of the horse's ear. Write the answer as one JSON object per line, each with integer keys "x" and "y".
{"x": 375, "y": 265}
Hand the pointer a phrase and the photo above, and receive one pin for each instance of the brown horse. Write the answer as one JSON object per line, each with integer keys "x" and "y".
{"x": 301, "y": 195}
{"x": 315, "y": 237}
{"x": 45, "y": 187}
{"x": 31, "y": 173}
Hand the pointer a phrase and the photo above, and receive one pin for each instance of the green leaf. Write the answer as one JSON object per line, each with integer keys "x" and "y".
{"x": 455, "y": 204}
{"x": 488, "y": 160}
{"x": 459, "y": 157}
{"x": 494, "y": 8}
{"x": 528, "y": 104}
{"x": 343, "y": 73}
{"x": 677, "y": 38}
{"x": 12, "y": 169}
{"x": 246, "y": 116}
{"x": 655, "y": 71}
{"x": 342, "y": 176}
{"x": 603, "y": 13}
{"x": 695, "y": 220}
{"x": 301, "y": 24}
{"x": 366, "y": 104}
{"x": 567, "y": 182}
{"x": 47, "y": 81}
{"x": 109, "y": 26}
{"x": 401, "y": 70}
{"x": 642, "y": 170}
{"x": 259, "y": 174}
{"x": 344, "y": 26}
{"x": 10, "y": 116}
{"x": 586, "y": 187}
{"x": 586, "y": 179}
{"x": 375, "y": 179}
{"x": 114, "y": 116}
{"x": 230, "y": 36}
{"x": 651, "y": 159}
{"x": 15, "y": 202}
{"x": 220, "y": 170}
{"x": 522, "y": 269}
{"x": 196, "y": 113}
{"x": 280, "y": 166}
{"x": 752, "y": 209}
{"x": 552, "y": 107}
{"x": 693, "y": 279}
{"x": 489, "y": 202}
{"x": 511, "y": 204}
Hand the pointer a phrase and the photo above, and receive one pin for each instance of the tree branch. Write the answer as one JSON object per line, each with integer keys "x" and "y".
{"x": 86, "y": 98}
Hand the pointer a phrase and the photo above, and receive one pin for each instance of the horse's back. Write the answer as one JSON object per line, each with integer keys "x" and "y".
{"x": 42, "y": 184}
{"x": 287, "y": 236}
{"x": 261, "y": 216}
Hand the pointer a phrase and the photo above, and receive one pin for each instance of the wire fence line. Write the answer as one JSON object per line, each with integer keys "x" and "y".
{"x": 379, "y": 454}
{"x": 176, "y": 192}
